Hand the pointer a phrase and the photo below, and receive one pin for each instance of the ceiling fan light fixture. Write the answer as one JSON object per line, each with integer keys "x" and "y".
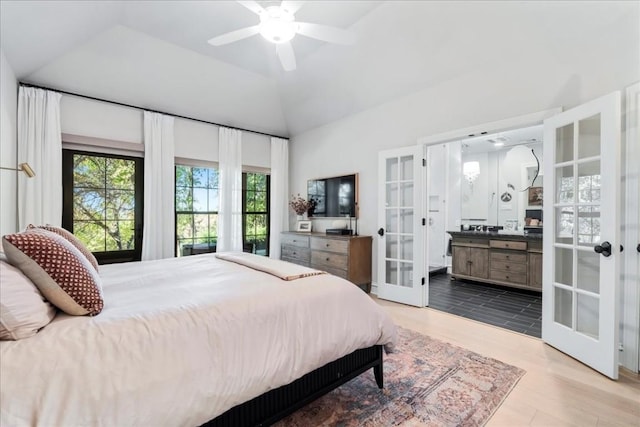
{"x": 277, "y": 25}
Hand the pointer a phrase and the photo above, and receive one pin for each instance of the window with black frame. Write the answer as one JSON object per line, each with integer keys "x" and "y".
{"x": 102, "y": 203}
{"x": 255, "y": 212}
{"x": 197, "y": 204}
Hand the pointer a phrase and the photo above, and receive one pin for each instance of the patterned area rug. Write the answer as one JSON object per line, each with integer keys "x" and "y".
{"x": 426, "y": 383}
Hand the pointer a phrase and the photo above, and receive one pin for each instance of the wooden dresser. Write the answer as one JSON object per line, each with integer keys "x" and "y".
{"x": 348, "y": 257}
{"x": 510, "y": 260}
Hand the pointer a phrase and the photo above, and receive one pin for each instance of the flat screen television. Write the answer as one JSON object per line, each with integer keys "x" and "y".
{"x": 334, "y": 197}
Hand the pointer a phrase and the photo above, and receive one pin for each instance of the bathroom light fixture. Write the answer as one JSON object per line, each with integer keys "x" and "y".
{"x": 22, "y": 167}
{"x": 471, "y": 171}
{"x": 498, "y": 141}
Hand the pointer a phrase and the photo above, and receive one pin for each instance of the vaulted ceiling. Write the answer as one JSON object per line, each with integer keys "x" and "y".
{"x": 154, "y": 53}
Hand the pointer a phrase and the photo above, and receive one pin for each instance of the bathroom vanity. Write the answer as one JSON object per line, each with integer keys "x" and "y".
{"x": 498, "y": 258}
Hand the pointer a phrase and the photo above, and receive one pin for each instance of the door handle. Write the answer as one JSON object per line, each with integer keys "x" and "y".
{"x": 603, "y": 249}
{"x": 638, "y": 247}
{"x": 381, "y": 232}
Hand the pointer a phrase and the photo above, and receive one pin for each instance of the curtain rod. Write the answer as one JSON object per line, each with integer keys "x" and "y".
{"x": 147, "y": 109}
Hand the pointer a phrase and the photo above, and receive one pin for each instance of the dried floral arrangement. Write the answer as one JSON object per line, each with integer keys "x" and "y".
{"x": 298, "y": 204}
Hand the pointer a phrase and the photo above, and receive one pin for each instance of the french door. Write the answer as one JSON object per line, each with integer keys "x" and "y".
{"x": 401, "y": 269}
{"x": 581, "y": 233}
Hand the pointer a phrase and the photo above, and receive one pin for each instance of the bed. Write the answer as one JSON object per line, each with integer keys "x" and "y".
{"x": 193, "y": 340}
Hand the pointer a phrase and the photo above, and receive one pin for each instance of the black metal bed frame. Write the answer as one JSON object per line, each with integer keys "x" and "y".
{"x": 276, "y": 404}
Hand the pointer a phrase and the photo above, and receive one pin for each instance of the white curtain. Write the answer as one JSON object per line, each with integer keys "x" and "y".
{"x": 230, "y": 211}
{"x": 159, "y": 187}
{"x": 40, "y": 145}
{"x": 279, "y": 218}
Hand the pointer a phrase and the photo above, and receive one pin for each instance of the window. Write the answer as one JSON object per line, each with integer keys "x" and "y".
{"x": 197, "y": 204}
{"x": 197, "y": 201}
{"x": 255, "y": 212}
{"x": 102, "y": 203}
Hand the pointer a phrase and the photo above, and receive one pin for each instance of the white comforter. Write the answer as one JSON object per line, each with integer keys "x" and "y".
{"x": 179, "y": 342}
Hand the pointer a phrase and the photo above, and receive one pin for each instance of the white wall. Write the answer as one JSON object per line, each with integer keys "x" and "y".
{"x": 8, "y": 147}
{"x": 489, "y": 93}
{"x": 193, "y": 140}
{"x": 84, "y": 117}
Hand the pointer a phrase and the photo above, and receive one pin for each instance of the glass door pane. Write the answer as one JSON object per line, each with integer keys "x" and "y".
{"x": 399, "y": 220}
{"x": 577, "y": 225}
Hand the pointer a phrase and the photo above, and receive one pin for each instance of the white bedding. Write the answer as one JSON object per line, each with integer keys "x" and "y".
{"x": 179, "y": 342}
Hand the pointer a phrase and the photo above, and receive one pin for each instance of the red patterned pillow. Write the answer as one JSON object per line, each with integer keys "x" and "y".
{"x": 62, "y": 274}
{"x": 70, "y": 237}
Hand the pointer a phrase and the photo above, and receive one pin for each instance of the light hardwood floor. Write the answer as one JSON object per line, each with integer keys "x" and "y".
{"x": 556, "y": 390}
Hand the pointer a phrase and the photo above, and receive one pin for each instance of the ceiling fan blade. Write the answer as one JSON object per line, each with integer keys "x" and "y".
{"x": 286, "y": 56}
{"x": 326, "y": 33}
{"x": 252, "y": 6}
{"x": 291, "y": 6}
{"x": 234, "y": 36}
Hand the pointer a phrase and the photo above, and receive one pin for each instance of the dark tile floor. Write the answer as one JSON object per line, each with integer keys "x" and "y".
{"x": 514, "y": 309}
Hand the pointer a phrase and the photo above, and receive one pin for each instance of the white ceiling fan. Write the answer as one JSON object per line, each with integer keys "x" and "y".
{"x": 278, "y": 25}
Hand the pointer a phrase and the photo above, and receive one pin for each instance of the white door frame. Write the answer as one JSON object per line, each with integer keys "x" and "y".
{"x": 630, "y": 357}
{"x": 526, "y": 120}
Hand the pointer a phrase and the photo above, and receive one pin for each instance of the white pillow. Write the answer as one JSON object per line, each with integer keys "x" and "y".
{"x": 23, "y": 309}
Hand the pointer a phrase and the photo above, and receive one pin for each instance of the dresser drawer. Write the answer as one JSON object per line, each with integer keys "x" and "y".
{"x": 295, "y": 252}
{"x": 514, "y": 267}
{"x": 508, "y": 244}
{"x": 508, "y": 276}
{"x": 508, "y": 256}
{"x": 295, "y": 240}
{"x": 331, "y": 245}
{"x": 336, "y": 272}
{"x": 473, "y": 242}
{"x": 295, "y": 261}
{"x": 321, "y": 259}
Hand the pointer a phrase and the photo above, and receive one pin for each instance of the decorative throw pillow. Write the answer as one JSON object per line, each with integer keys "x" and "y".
{"x": 71, "y": 238}
{"x": 61, "y": 273}
{"x": 23, "y": 310}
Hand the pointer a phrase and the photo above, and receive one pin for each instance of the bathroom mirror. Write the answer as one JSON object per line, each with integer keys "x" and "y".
{"x": 500, "y": 178}
{"x": 512, "y": 166}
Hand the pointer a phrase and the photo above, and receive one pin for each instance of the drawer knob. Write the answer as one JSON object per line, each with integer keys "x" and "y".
{"x": 327, "y": 259}
{"x": 507, "y": 256}
{"x": 507, "y": 267}
{"x": 507, "y": 277}
{"x": 506, "y": 245}
{"x": 294, "y": 253}
{"x": 294, "y": 241}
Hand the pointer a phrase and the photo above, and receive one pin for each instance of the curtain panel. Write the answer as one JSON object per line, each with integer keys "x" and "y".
{"x": 230, "y": 212}
{"x": 40, "y": 145}
{"x": 279, "y": 218}
{"x": 158, "y": 236}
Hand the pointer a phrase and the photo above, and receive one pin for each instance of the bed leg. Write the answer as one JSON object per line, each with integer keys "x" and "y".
{"x": 377, "y": 370}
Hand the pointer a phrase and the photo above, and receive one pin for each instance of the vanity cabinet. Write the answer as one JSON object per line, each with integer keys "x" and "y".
{"x": 348, "y": 257}
{"x": 508, "y": 260}
{"x": 535, "y": 266}
{"x": 471, "y": 258}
